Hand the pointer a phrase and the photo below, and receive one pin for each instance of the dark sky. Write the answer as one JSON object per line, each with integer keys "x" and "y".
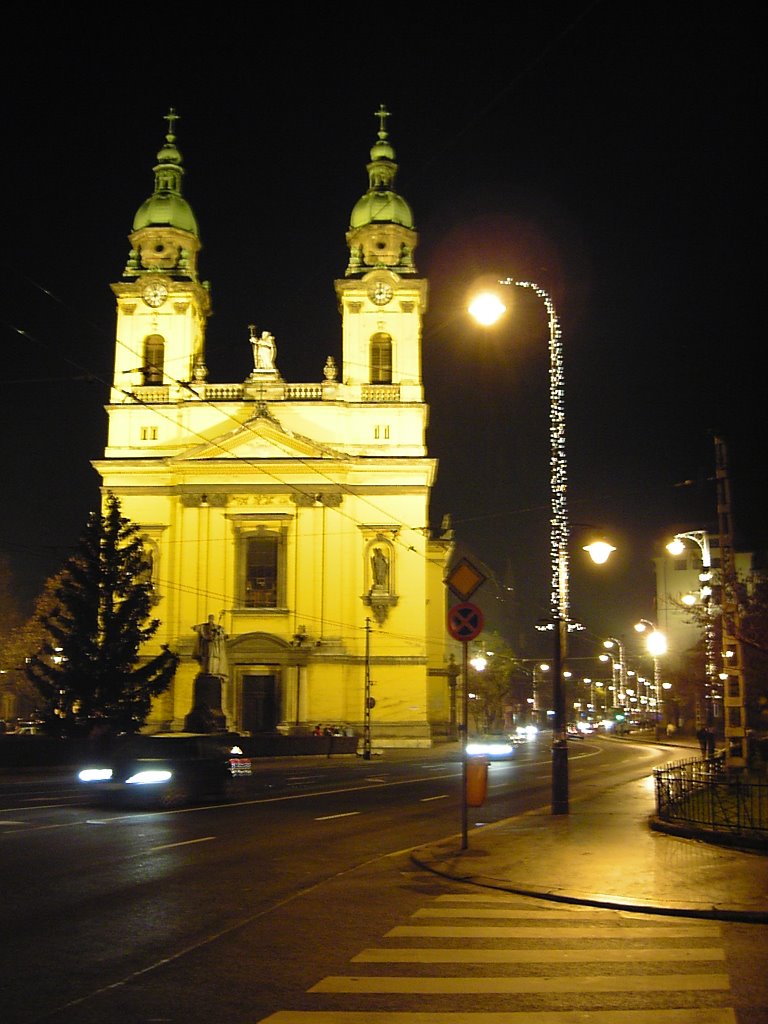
{"x": 606, "y": 151}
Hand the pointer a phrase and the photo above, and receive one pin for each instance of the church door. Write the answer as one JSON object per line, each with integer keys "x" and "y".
{"x": 259, "y": 703}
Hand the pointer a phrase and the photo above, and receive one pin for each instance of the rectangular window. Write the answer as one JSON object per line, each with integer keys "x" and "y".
{"x": 149, "y": 433}
{"x": 261, "y": 570}
{"x": 261, "y": 560}
{"x": 381, "y": 359}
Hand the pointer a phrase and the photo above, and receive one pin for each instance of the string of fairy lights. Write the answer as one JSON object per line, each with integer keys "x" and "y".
{"x": 558, "y": 466}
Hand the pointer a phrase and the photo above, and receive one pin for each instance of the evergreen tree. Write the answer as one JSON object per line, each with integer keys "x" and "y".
{"x": 89, "y": 667}
{"x": 492, "y": 683}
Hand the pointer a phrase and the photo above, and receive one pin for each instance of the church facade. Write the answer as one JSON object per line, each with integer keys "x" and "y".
{"x": 288, "y": 523}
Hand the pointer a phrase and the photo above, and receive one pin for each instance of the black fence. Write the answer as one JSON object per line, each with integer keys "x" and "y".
{"x": 703, "y": 794}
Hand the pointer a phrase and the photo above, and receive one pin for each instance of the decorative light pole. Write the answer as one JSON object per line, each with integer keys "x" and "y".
{"x": 656, "y": 644}
{"x": 618, "y": 697}
{"x": 486, "y": 309}
{"x": 611, "y": 643}
{"x": 676, "y": 547}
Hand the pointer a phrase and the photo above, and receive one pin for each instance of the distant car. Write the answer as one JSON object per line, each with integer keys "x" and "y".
{"x": 492, "y": 745}
{"x": 578, "y": 730}
{"x": 28, "y": 728}
{"x": 165, "y": 769}
{"x": 525, "y": 733}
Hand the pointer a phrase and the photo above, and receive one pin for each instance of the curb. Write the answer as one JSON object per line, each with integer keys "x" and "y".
{"x": 591, "y": 900}
{"x": 734, "y": 841}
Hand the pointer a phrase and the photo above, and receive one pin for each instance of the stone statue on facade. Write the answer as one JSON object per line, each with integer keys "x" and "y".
{"x": 264, "y": 351}
{"x": 380, "y": 570}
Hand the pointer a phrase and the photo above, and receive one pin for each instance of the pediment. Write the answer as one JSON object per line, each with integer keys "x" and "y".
{"x": 260, "y": 438}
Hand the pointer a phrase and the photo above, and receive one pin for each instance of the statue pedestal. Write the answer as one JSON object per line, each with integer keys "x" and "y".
{"x": 206, "y": 714}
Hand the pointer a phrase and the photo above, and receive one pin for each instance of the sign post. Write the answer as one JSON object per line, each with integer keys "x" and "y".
{"x": 465, "y": 622}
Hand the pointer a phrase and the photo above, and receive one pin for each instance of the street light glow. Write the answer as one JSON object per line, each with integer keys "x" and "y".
{"x": 599, "y": 551}
{"x": 656, "y": 643}
{"x": 486, "y": 308}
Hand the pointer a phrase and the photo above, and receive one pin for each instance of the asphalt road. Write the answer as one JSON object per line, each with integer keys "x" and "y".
{"x": 232, "y": 912}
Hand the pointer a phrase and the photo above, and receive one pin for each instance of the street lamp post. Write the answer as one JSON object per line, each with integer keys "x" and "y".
{"x": 610, "y": 643}
{"x": 656, "y": 643}
{"x": 676, "y": 547}
{"x": 536, "y": 687}
{"x": 618, "y": 690}
{"x": 487, "y": 308}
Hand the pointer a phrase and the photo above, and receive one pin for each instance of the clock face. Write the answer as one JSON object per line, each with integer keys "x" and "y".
{"x": 155, "y": 294}
{"x": 381, "y": 293}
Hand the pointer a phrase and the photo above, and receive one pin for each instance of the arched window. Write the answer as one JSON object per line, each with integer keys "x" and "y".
{"x": 154, "y": 355}
{"x": 381, "y": 358}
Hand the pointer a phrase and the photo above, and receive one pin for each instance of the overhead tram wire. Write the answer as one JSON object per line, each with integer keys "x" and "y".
{"x": 185, "y": 384}
{"x": 138, "y": 400}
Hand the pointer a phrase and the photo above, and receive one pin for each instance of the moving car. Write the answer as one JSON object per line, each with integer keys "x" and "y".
{"x": 579, "y": 730}
{"x": 165, "y": 769}
{"x": 493, "y": 745}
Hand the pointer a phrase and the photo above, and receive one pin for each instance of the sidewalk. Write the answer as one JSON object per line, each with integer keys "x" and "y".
{"x": 604, "y": 853}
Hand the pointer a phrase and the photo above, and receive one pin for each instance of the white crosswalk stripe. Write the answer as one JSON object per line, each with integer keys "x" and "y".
{"x": 499, "y": 959}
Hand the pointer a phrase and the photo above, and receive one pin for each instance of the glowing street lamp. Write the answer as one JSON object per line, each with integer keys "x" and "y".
{"x": 599, "y": 551}
{"x": 656, "y": 644}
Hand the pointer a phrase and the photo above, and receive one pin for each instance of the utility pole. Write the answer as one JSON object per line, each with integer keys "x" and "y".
{"x": 369, "y": 701}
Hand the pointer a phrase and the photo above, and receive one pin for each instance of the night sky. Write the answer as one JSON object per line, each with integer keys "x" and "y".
{"x": 606, "y": 151}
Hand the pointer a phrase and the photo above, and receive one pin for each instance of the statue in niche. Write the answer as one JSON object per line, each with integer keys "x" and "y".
{"x": 380, "y": 570}
{"x": 264, "y": 351}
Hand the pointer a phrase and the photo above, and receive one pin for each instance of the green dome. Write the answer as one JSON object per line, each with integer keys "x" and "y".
{"x": 166, "y": 209}
{"x": 381, "y": 208}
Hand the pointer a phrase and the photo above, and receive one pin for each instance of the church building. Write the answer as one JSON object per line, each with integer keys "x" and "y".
{"x": 288, "y": 523}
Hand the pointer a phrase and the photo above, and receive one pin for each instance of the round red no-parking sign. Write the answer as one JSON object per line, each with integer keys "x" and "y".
{"x": 465, "y": 621}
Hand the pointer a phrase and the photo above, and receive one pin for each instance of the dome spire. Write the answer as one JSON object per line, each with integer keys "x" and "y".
{"x": 165, "y": 235}
{"x": 381, "y": 231}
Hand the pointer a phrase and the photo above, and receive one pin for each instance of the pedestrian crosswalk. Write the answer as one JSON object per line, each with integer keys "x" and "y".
{"x": 484, "y": 958}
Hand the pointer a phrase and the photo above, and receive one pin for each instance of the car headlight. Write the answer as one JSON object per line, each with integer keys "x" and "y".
{"x": 489, "y": 749}
{"x": 95, "y": 774}
{"x": 147, "y": 778}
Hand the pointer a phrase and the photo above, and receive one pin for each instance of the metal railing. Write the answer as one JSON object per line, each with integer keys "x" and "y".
{"x": 700, "y": 792}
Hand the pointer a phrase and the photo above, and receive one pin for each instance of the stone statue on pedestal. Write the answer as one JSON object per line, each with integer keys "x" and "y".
{"x": 210, "y": 652}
